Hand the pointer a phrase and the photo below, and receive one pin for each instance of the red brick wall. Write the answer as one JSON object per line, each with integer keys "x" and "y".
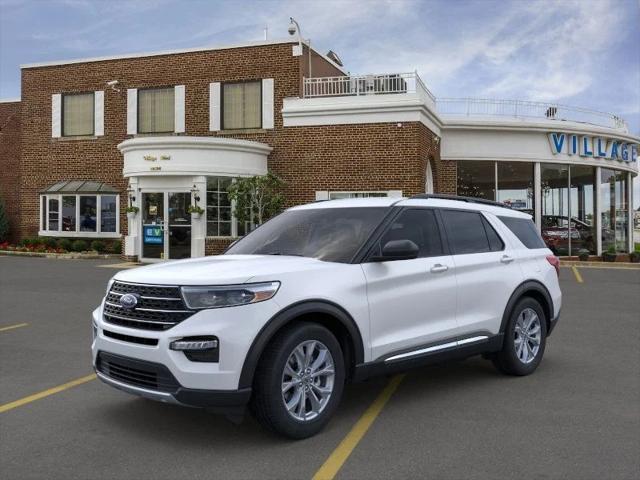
{"x": 339, "y": 157}
{"x": 10, "y": 163}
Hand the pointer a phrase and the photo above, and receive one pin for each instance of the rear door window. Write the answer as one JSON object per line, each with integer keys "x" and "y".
{"x": 525, "y": 230}
{"x": 495, "y": 242}
{"x": 466, "y": 232}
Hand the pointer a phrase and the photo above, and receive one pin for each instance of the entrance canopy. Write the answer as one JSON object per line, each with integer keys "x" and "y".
{"x": 80, "y": 186}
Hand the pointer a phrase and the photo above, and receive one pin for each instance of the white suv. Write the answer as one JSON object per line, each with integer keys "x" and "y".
{"x": 327, "y": 293}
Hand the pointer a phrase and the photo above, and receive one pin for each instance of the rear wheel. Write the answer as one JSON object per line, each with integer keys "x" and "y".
{"x": 299, "y": 381}
{"x": 524, "y": 339}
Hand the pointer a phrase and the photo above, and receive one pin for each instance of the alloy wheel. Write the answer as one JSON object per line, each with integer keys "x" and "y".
{"x": 307, "y": 380}
{"x": 527, "y": 335}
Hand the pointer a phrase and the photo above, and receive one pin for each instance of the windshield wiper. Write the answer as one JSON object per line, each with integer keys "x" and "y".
{"x": 284, "y": 254}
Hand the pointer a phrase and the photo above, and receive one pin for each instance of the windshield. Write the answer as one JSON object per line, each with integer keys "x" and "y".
{"x": 329, "y": 234}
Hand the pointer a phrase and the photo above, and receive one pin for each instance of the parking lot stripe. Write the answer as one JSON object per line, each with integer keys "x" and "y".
{"x": 11, "y": 327}
{"x": 332, "y": 465}
{"x": 577, "y": 274}
{"x": 37, "y": 396}
{"x": 120, "y": 265}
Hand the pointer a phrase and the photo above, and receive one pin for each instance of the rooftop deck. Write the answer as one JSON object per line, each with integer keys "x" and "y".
{"x": 410, "y": 83}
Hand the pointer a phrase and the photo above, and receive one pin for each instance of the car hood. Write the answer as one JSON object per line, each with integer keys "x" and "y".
{"x": 219, "y": 270}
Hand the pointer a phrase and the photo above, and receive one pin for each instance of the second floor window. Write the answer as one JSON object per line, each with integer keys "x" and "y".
{"x": 242, "y": 105}
{"x": 77, "y": 114}
{"x": 156, "y": 110}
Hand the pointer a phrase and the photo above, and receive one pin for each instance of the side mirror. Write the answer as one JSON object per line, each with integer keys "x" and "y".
{"x": 398, "y": 250}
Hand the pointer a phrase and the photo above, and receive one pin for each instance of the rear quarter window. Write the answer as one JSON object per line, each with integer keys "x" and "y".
{"x": 525, "y": 230}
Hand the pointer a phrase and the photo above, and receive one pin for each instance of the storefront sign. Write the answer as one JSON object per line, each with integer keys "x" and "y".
{"x": 595, "y": 147}
{"x": 152, "y": 235}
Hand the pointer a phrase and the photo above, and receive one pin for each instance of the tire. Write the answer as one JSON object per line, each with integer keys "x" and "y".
{"x": 275, "y": 373}
{"x": 513, "y": 359}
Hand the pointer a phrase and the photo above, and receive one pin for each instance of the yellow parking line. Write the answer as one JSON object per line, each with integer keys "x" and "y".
{"x": 37, "y": 396}
{"x": 11, "y": 327}
{"x": 120, "y": 265}
{"x": 332, "y": 465}
{"x": 577, "y": 274}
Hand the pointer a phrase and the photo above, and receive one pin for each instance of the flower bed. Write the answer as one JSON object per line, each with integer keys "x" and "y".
{"x": 48, "y": 245}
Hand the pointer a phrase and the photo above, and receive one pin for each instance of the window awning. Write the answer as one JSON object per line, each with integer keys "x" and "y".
{"x": 80, "y": 186}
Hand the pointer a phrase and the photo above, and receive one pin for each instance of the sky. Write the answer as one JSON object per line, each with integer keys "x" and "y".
{"x": 577, "y": 52}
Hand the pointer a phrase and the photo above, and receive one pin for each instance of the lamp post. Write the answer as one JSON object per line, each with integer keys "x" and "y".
{"x": 294, "y": 28}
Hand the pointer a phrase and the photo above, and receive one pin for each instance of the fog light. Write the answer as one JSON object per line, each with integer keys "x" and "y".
{"x": 193, "y": 344}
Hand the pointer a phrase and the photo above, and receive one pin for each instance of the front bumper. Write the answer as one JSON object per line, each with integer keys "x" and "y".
{"x": 553, "y": 323}
{"x": 201, "y": 384}
{"x": 214, "y": 399}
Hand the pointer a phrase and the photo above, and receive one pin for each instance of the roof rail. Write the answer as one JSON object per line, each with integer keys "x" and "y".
{"x": 443, "y": 196}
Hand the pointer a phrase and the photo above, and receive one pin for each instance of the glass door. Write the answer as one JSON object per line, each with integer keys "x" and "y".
{"x": 179, "y": 225}
{"x": 153, "y": 215}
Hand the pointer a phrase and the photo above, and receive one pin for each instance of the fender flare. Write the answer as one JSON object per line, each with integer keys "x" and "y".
{"x": 520, "y": 291}
{"x": 288, "y": 315}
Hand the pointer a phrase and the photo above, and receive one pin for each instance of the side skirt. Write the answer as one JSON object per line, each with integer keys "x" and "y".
{"x": 441, "y": 352}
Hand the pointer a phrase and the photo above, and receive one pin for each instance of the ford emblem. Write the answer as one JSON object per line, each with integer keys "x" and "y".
{"x": 129, "y": 301}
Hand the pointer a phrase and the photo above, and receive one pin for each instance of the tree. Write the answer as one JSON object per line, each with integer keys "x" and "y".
{"x": 4, "y": 222}
{"x": 258, "y": 198}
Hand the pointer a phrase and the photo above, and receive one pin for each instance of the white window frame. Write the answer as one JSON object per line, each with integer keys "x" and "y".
{"x": 77, "y": 233}
{"x": 332, "y": 194}
{"x": 234, "y": 220}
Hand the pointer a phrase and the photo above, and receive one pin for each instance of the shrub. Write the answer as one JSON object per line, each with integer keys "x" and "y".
{"x": 50, "y": 242}
{"x": 65, "y": 244}
{"x": 4, "y": 223}
{"x": 98, "y": 246}
{"x": 79, "y": 246}
{"x": 116, "y": 246}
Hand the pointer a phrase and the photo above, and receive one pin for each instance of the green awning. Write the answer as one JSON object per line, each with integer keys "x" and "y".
{"x": 80, "y": 186}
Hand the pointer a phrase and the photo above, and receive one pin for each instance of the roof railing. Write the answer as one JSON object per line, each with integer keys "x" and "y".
{"x": 459, "y": 198}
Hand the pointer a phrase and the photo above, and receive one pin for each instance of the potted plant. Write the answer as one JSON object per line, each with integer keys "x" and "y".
{"x": 195, "y": 211}
{"x": 583, "y": 254}
{"x": 610, "y": 255}
{"x": 635, "y": 255}
{"x": 132, "y": 211}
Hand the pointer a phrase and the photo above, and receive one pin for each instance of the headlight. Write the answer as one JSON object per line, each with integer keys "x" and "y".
{"x": 228, "y": 296}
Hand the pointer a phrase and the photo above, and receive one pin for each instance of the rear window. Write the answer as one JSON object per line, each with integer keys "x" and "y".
{"x": 525, "y": 230}
{"x": 466, "y": 232}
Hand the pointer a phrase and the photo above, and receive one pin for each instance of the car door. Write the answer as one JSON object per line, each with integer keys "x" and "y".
{"x": 487, "y": 272}
{"x": 411, "y": 302}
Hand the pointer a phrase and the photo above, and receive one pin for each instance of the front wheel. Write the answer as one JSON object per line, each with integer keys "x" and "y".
{"x": 299, "y": 381}
{"x": 524, "y": 339}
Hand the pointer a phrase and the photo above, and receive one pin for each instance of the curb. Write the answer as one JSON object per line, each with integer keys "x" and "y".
{"x": 613, "y": 265}
{"x": 61, "y": 256}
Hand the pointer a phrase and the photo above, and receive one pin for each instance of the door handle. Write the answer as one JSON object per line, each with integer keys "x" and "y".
{"x": 507, "y": 259}
{"x": 439, "y": 268}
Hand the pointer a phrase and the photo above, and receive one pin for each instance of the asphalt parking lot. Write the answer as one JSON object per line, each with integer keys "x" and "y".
{"x": 577, "y": 417}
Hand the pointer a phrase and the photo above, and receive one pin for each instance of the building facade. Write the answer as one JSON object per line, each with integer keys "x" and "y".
{"x": 89, "y": 139}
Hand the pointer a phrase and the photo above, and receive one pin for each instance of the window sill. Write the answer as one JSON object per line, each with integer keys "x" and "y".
{"x": 157, "y": 134}
{"x": 76, "y": 138}
{"x": 241, "y": 131}
{"x": 221, "y": 238}
{"x": 44, "y": 233}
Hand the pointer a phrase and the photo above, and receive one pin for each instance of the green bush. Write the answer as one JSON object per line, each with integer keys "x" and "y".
{"x": 28, "y": 241}
{"x": 98, "y": 246}
{"x": 48, "y": 241}
{"x": 116, "y": 246}
{"x": 4, "y": 223}
{"x": 79, "y": 246}
{"x": 65, "y": 244}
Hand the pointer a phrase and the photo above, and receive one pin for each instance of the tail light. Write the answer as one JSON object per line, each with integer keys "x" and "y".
{"x": 555, "y": 263}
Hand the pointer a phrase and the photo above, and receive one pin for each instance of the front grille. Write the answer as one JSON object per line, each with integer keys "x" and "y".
{"x": 159, "y": 307}
{"x": 131, "y": 339}
{"x": 139, "y": 373}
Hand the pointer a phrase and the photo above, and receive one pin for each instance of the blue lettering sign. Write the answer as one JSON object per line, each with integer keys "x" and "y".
{"x": 601, "y": 150}
{"x": 152, "y": 235}
{"x": 573, "y": 148}
{"x": 557, "y": 142}
{"x": 624, "y": 150}
{"x": 585, "y": 147}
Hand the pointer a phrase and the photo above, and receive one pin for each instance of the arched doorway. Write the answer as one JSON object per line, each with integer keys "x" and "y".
{"x": 428, "y": 187}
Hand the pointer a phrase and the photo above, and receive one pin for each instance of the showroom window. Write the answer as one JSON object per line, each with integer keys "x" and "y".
{"x": 242, "y": 105}
{"x": 156, "y": 110}
{"x": 80, "y": 209}
{"x": 477, "y": 179}
{"x": 515, "y": 185}
{"x": 78, "y": 114}
{"x": 615, "y": 210}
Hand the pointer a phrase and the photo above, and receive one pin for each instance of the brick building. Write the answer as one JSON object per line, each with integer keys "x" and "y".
{"x": 164, "y": 130}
